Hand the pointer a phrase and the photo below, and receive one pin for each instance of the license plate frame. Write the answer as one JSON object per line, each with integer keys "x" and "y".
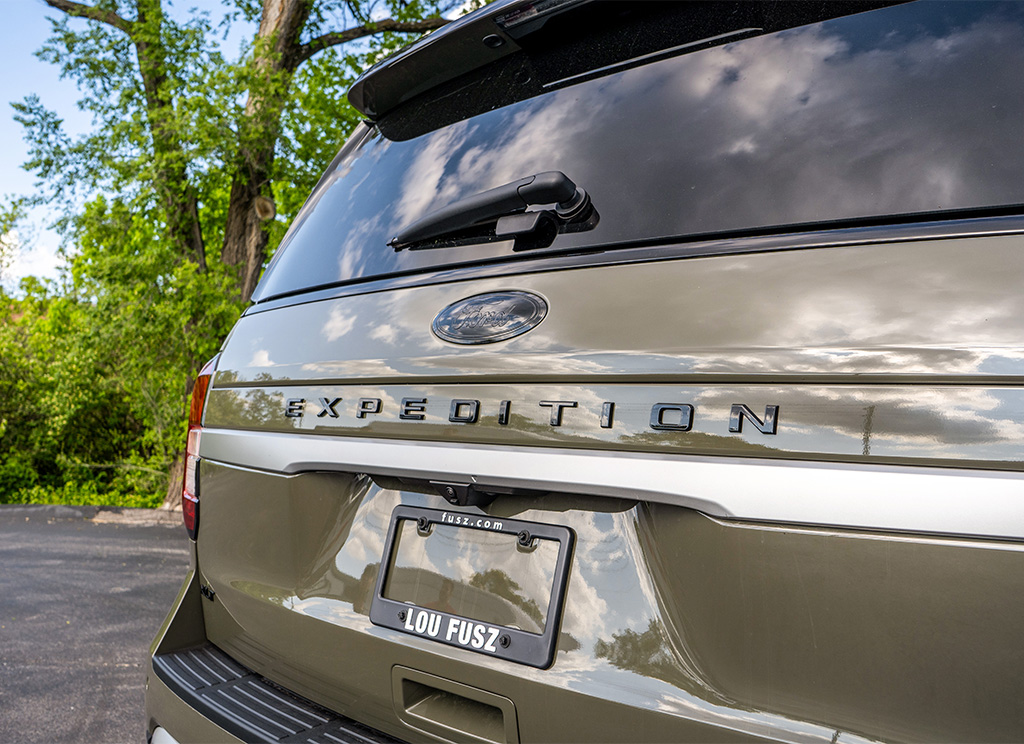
{"x": 499, "y": 641}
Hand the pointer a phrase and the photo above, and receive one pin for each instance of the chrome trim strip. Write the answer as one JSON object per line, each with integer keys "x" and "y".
{"x": 904, "y": 499}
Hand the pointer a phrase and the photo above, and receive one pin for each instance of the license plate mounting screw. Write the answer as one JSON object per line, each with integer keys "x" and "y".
{"x": 401, "y": 616}
{"x": 504, "y": 641}
{"x": 525, "y": 538}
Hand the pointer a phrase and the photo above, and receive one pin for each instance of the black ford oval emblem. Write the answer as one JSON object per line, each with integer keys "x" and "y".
{"x": 490, "y": 317}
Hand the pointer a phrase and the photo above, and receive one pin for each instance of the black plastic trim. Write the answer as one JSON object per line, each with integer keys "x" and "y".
{"x": 251, "y": 707}
{"x": 542, "y": 188}
{"x": 586, "y": 39}
{"x": 502, "y": 642}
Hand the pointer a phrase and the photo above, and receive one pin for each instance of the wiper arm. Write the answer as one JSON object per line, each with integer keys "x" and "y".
{"x": 550, "y": 187}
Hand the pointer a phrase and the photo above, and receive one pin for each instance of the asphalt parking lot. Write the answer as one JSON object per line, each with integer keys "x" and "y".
{"x": 82, "y": 592}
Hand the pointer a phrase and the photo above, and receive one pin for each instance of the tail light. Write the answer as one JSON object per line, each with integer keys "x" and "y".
{"x": 190, "y": 484}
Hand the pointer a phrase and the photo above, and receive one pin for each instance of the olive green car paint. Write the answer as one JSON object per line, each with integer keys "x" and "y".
{"x": 868, "y": 423}
{"x": 706, "y": 628}
{"x": 944, "y": 311}
{"x": 679, "y": 622}
{"x": 791, "y": 460}
{"x": 893, "y": 353}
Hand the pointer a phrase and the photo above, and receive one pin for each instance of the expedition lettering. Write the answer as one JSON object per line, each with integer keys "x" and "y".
{"x": 675, "y": 417}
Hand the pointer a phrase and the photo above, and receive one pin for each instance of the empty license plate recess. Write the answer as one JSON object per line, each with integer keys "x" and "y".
{"x": 486, "y": 584}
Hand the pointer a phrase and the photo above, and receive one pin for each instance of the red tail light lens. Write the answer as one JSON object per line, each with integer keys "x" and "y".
{"x": 190, "y": 484}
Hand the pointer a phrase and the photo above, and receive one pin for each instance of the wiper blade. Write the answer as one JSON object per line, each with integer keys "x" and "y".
{"x": 549, "y": 187}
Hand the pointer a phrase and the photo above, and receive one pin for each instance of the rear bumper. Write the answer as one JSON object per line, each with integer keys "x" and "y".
{"x": 165, "y": 709}
{"x": 241, "y": 705}
{"x": 740, "y": 629}
{"x": 196, "y": 692}
{"x": 171, "y": 719}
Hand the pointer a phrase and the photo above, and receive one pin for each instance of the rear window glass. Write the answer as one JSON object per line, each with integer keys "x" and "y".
{"x": 907, "y": 109}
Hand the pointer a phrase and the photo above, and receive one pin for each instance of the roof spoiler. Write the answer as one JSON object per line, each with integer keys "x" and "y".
{"x": 567, "y": 43}
{"x": 464, "y": 45}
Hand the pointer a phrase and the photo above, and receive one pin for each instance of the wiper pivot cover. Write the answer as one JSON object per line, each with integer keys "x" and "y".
{"x": 549, "y": 187}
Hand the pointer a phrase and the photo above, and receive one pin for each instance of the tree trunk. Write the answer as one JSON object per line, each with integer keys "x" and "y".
{"x": 276, "y": 54}
{"x": 245, "y": 240}
{"x": 177, "y": 477}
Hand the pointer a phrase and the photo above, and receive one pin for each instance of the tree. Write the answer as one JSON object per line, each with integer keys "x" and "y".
{"x": 276, "y": 54}
{"x": 174, "y": 203}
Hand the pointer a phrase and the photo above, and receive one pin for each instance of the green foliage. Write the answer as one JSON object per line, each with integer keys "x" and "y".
{"x": 95, "y": 371}
{"x": 86, "y": 493}
{"x": 66, "y": 425}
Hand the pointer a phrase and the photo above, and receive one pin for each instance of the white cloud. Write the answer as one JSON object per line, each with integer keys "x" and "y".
{"x": 338, "y": 324}
{"x": 385, "y": 332}
{"x": 30, "y": 258}
{"x": 261, "y": 358}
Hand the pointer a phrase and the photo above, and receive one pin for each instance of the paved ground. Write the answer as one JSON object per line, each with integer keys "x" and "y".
{"x": 82, "y": 592}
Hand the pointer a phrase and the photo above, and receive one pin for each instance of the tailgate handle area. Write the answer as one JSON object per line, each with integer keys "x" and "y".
{"x": 452, "y": 710}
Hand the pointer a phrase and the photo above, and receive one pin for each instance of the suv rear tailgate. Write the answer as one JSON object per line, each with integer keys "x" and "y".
{"x": 723, "y": 583}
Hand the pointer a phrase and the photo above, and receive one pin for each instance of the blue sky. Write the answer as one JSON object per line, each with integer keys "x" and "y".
{"x": 24, "y": 30}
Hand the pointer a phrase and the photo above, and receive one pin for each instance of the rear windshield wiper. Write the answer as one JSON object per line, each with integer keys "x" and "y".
{"x": 504, "y": 205}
